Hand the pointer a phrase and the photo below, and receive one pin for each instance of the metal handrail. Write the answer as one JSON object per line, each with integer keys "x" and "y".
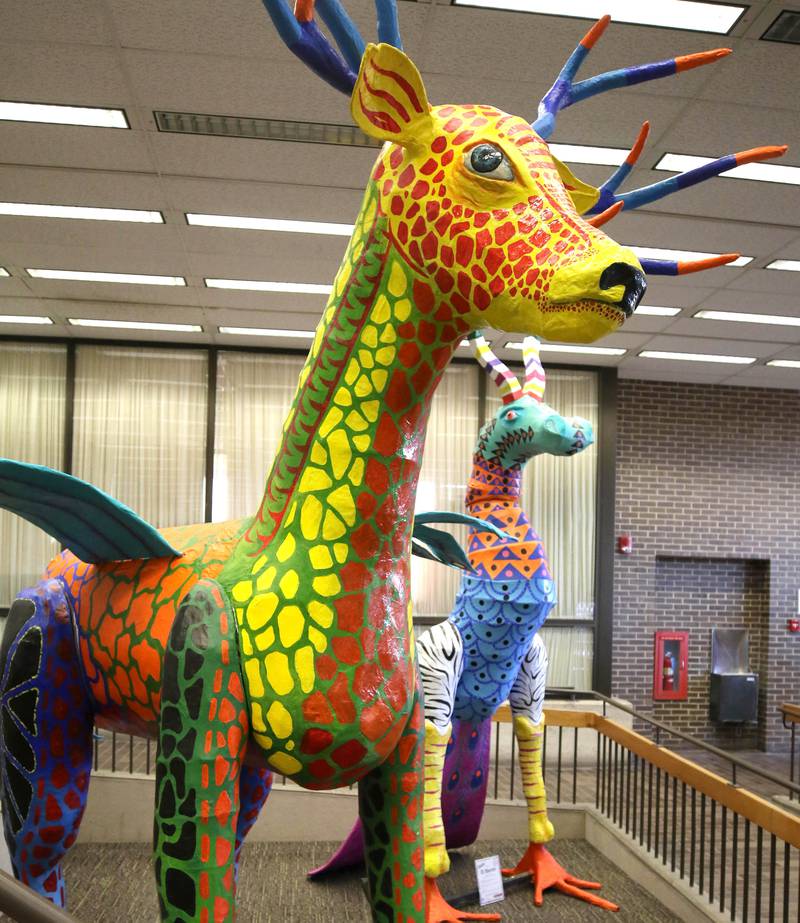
{"x": 735, "y": 761}
{"x": 21, "y": 903}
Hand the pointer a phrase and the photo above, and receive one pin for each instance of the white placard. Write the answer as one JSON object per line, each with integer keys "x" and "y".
{"x": 490, "y": 880}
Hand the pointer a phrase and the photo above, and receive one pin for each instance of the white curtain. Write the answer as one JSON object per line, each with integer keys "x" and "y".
{"x": 140, "y": 428}
{"x": 254, "y": 394}
{"x": 447, "y": 462}
{"x": 32, "y": 394}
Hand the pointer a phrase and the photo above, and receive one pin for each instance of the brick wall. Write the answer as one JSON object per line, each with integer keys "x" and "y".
{"x": 708, "y": 485}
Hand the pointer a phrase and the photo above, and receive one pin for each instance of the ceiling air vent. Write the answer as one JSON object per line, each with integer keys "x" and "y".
{"x": 786, "y": 28}
{"x": 234, "y": 126}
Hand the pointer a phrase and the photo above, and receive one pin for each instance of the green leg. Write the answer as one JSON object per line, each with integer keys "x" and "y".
{"x": 202, "y": 741}
{"x": 390, "y": 806}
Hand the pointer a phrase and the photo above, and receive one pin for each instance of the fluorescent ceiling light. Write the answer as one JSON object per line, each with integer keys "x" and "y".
{"x": 29, "y": 210}
{"x": 760, "y": 172}
{"x": 268, "y": 332}
{"x": 696, "y": 357}
{"x": 24, "y": 319}
{"x": 675, "y": 14}
{"x": 123, "y": 277}
{"x": 3, "y": 272}
{"x": 654, "y": 311}
{"x": 788, "y": 265}
{"x": 63, "y": 115}
{"x": 785, "y": 363}
{"x": 662, "y": 253}
{"x": 582, "y": 350}
{"x": 583, "y": 153}
{"x": 269, "y": 224}
{"x": 779, "y": 319}
{"x": 134, "y": 325}
{"x": 308, "y": 288}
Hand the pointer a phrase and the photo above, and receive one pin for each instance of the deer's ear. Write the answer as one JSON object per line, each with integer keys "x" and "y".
{"x": 582, "y": 194}
{"x": 389, "y": 100}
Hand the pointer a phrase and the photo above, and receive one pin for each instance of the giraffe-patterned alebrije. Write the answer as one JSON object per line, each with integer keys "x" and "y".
{"x": 283, "y": 641}
{"x": 489, "y": 649}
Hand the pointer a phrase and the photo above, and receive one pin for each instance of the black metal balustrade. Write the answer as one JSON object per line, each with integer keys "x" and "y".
{"x": 736, "y": 849}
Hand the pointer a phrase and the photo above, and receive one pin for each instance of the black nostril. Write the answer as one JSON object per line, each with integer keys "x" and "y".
{"x": 632, "y": 278}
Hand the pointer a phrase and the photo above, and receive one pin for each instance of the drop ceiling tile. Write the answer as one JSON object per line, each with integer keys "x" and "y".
{"x": 767, "y": 282}
{"x": 663, "y": 370}
{"x": 733, "y": 330}
{"x": 76, "y": 148}
{"x": 766, "y": 376}
{"x": 72, "y": 75}
{"x": 82, "y": 22}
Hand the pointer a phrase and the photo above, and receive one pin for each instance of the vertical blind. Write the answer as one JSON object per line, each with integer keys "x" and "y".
{"x": 140, "y": 434}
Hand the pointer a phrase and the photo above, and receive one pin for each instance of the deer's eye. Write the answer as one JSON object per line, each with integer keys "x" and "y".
{"x": 511, "y": 415}
{"x": 488, "y": 161}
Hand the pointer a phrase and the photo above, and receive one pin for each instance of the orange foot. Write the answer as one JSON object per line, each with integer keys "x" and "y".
{"x": 437, "y": 910}
{"x": 547, "y": 873}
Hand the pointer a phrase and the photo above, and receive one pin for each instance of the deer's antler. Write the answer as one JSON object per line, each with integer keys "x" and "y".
{"x": 646, "y": 194}
{"x": 303, "y": 37}
{"x": 684, "y": 267}
{"x": 507, "y": 382}
{"x": 564, "y": 92}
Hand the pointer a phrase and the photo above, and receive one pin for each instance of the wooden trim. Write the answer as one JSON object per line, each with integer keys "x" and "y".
{"x": 791, "y": 713}
{"x": 771, "y": 818}
{"x": 554, "y": 717}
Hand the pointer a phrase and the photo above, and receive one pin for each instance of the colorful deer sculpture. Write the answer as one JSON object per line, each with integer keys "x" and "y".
{"x": 283, "y": 641}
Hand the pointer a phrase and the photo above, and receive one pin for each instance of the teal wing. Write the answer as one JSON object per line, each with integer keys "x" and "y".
{"x": 93, "y": 525}
{"x": 437, "y": 545}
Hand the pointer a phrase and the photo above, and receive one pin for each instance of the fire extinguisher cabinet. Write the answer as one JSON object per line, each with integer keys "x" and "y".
{"x": 670, "y": 665}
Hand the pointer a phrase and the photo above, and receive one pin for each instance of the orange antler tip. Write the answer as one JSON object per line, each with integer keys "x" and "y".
{"x": 761, "y": 153}
{"x": 604, "y": 217}
{"x": 712, "y": 262}
{"x": 590, "y": 39}
{"x": 687, "y": 61}
{"x": 304, "y": 10}
{"x": 639, "y": 144}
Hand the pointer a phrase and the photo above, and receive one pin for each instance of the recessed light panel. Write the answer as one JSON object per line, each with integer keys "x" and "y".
{"x": 3, "y": 273}
{"x": 673, "y": 14}
{"x": 24, "y": 319}
{"x": 785, "y": 363}
{"x": 778, "y": 319}
{"x": 255, "y": 285}
{"x": 760, "y": 172}
{"x": 654, "y": 311}
{"x": 62, "y": 115}
{"x": 786, "y": 265}
{"x": 125, "y": 278}
{"x": 80, "y": 212}
{"x": 662, "y": 253}
{"x": 696, "y": 357}
{"x": 269, "y": 224}
{"x": 268, "y": 332}
{"x": 577, "y": 350}
{"x": 584, "y": 153}
{"x": 134, "y": 325}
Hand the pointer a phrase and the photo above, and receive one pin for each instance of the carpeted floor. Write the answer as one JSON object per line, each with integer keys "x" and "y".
{"x": 114, "y": 884}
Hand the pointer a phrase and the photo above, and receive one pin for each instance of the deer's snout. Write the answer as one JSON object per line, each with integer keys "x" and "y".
{"x": 633, "y": 281}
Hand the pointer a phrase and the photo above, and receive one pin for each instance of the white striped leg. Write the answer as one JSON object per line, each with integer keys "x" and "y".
{"x": 440, "y": 652}
{"x": 527, "y": 701}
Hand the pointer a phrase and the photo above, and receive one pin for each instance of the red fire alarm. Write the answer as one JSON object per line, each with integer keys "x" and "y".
{"x": 793, "y": 625}
{"x": 625, "y": 544}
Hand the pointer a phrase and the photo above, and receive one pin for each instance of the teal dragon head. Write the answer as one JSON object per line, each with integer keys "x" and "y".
{"x": 525, "y": 426}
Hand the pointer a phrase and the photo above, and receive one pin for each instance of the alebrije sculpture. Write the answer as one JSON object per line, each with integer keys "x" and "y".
{"x": 489, "y": 648}
{"x": 283, "y": 641}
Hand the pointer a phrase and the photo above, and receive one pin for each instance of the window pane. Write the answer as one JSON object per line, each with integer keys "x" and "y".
{"x": 140, "y": 428}
{"x": 32, "y": 394}
{"x": 570, "y": 652}
{"x": 447, "y": 462}
{"x": 254, "y": 394}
